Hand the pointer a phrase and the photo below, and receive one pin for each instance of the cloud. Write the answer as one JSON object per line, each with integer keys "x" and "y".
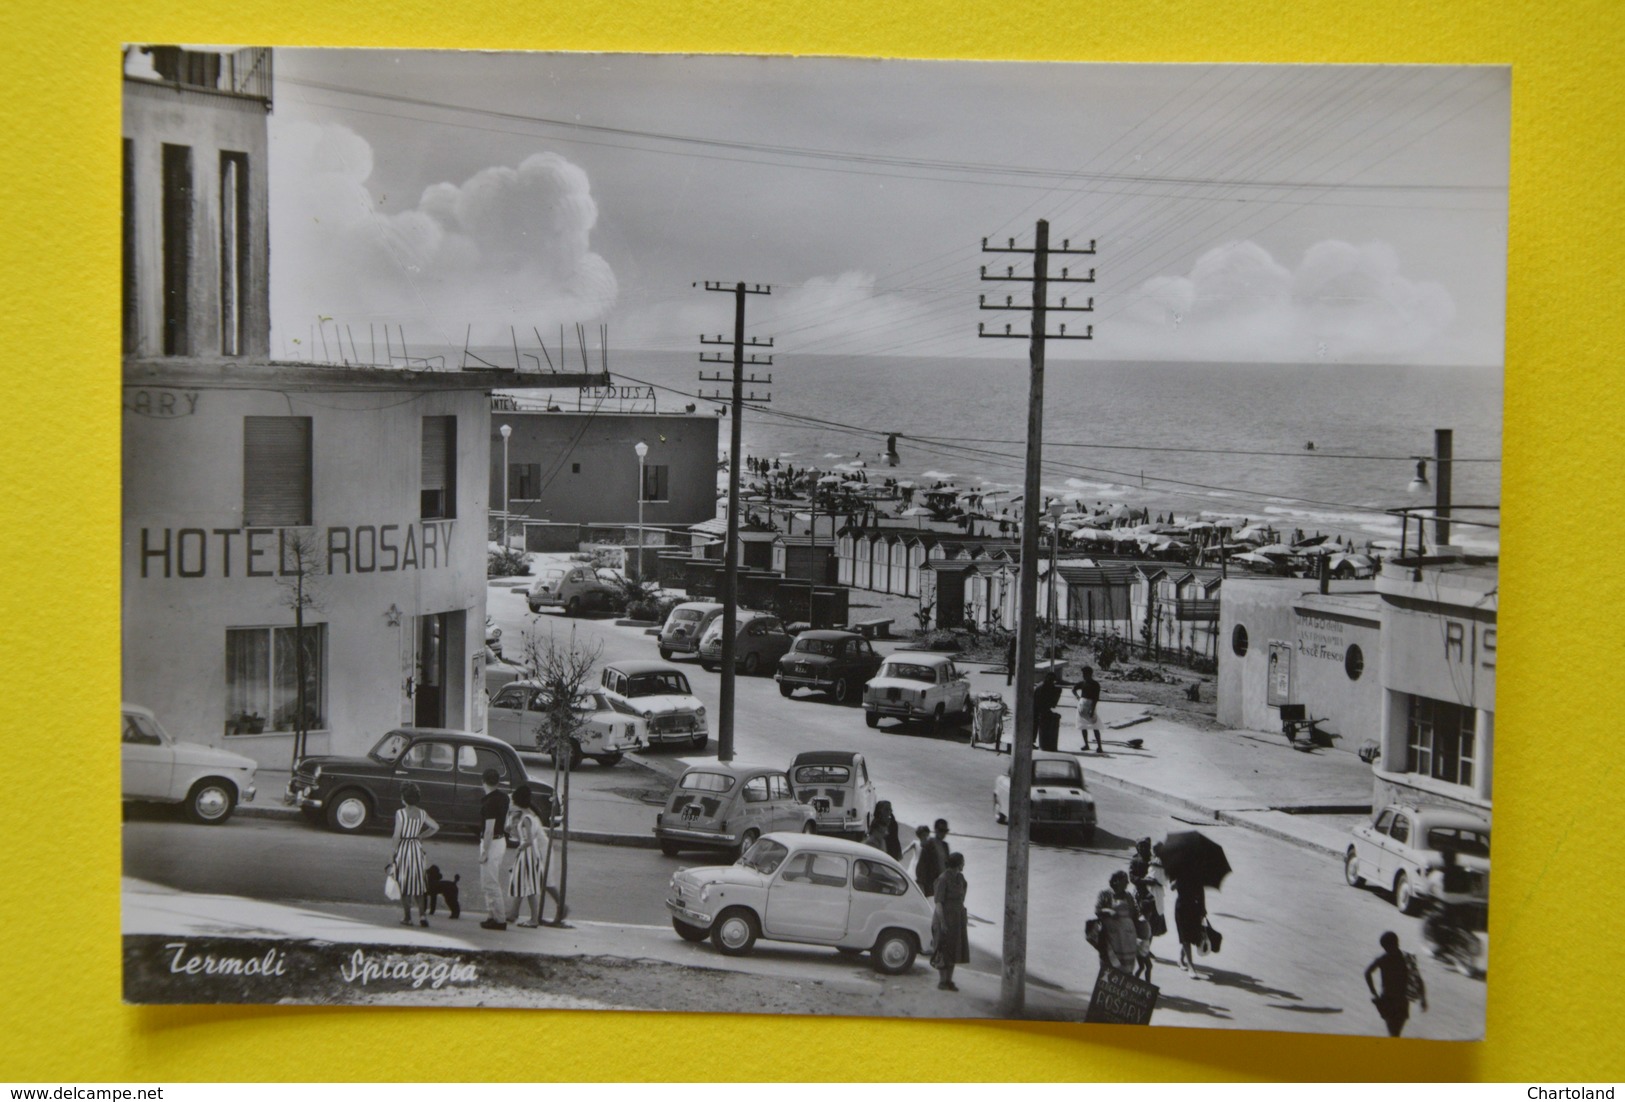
{"x": 510, "y": 245}
{"x": 1341, "y": 303}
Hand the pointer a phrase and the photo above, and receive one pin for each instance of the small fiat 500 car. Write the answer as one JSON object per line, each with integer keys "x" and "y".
{"x": 836, "y": 662}
{"x": 808, "y": 889}
{"x": 760, "y": 643}
{"x": 159, "y": 768}
{"x": 729, "y": 806}
{"x": 916, "y": 686}
{"x": 1060, "y": 799}
{"x": 1423, "y": 853}
{"x": 660, "y": 693}
{"x": 446, "y": 765}
{"x": 575, "y": 588}
{"x": 606, "y": 727}
{"x": 683, "y": 628}
{"x": 837, "y": 786}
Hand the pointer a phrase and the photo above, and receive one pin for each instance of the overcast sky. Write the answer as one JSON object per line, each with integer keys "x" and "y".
{"x": 1278, "y": 213}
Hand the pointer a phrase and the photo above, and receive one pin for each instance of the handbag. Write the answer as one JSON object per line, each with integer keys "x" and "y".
{"x": 1211, "y": 938}
{"x": 392, "y": 887}
{"x": 1093, "y": 931}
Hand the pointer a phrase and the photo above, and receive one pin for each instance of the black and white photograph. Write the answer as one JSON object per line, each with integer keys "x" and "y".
{"x": 812, "y": 535}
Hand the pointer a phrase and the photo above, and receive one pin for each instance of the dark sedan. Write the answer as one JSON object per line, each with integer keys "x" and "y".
{"x": 835, "y": 662}
{"x": 447, "y": 766}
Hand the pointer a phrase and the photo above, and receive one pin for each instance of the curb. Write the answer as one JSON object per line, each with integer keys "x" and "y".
{"x": 595, "y": 837}
{"x": 1229, "y": 818}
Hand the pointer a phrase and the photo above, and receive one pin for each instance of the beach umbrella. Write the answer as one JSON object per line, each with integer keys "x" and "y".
{"x": 1358, "y": 562}
{"x": 1318, "y": 549}
{"x": 1191, "y": 857}
{"x": 1199, "y": 525}
{"x": 905, "y": 485}
{"x": 1252, "y": 557}
{"x": 1092, "y": 534}
{"x": 1274, "y": 549}
{"x": 916, "y": 511}
{"x": 830, "y": 480}
{"x": 1385, "y": 545}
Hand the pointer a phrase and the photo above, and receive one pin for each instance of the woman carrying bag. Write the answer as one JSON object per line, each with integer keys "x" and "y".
{"x": 412, "y": 825}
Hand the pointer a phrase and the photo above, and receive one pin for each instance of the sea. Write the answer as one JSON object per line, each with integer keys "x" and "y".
{"x": 1322, "y": 447}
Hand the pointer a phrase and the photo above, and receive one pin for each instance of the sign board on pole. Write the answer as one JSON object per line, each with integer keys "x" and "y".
{"x": 1121, "y": 999}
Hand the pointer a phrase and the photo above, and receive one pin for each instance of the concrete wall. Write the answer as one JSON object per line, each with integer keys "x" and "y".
{"x": 208, "y": 122}
{"x": 605, "y": 487}
{"x": 190, "y": 569}
{"x": 1318, "y": 633}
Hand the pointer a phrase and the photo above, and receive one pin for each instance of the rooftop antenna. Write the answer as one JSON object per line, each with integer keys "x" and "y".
{"x": 543, "y": 345}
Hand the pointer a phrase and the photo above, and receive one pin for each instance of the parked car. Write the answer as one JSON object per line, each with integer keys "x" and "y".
{"x": 660, "y": 693}
{"x": 835, "y": 662}
{"x": 576, "y": 588}
{"x": 916, "y": 686}
{"x": 807, "y": 889}
{"x": 1059, "y": 796}
{"x": 729, "y": 806}
{"x": 760, "y": 643}
{"x": 606, "y": 726}
{"x": 500, "y": 672}
{"x": 351, "y": 793}
{"x": 683, "y": 628}
{"x": 837, "y": 786}
{"x": 159, "y": 768}
{"x": 1423, "y": 853}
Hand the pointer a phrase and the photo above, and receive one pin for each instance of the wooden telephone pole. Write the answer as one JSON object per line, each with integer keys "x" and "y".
{"x": 730, "y": 574}
{"x": 1013, "y": 987}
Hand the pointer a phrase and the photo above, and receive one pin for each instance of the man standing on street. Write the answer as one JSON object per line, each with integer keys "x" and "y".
{"x": 493, "y": 847}
{"x": 1088, "y": 693}
{"x": 933, "y": 858}
{"x": 1010, "y": 659}
{"x": 1048, "y": 721}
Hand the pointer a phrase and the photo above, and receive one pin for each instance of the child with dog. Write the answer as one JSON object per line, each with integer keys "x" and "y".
{"x": 412, "y": 825}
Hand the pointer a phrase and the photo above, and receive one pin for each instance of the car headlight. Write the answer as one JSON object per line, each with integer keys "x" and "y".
{"x": 705, "y": 894}
{"x": 648, "y": 715}
{"x": 700, "y": 712}
{"x": 316, "y": 776}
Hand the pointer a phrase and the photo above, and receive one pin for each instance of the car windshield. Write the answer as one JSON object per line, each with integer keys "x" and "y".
{"x": 706, "y": 782}
{"x": 663, "y": 683}
{"x": 822, "y": 774}
{"x": 1057, "y": 772}
{"x": 389, "y": 747}
{"x": 909, "y": 671}
{"x": 1460, "y": 840}
{"x": 765, "y": 856}
{"x": 686, "y": 614}
{"x": 829, "y": 648}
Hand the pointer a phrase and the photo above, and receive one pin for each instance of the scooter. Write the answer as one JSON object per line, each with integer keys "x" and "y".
{"x": 1451, "y": 940}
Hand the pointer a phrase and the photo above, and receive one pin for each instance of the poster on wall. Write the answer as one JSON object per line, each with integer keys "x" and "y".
{"x": 434, "y": 284}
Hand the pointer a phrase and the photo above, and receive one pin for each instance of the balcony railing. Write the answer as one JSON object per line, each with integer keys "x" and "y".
{"x": 245, "y": 72}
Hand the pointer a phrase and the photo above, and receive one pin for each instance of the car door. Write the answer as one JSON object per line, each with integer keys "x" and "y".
{"x": 958, "y": 689}
{"x": 864, "y": 790}
{"x": 875, "y": 887}
{"x": 1368, "y": 845}
{"x": 775, "y": 640}
{"x": 756, "y": 804}
{"x": 472, "y": 762}
{"x": 865, "y": 657}
{"x": 809, "y": 899}
{"x": 506, "y": 716}
{"x": 430, "y": 763}
{"x": 148, "y": 759}
{"x": 788, "y": 813}
{"x": 1397, "y": 847}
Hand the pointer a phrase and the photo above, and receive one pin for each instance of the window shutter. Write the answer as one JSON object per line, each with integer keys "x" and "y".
{"x": 438, "y": 472}
{"x": 276, "y": 472}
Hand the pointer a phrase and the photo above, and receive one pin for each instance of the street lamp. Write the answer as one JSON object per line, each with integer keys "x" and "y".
{"x": 1056, "y": 508}
{"x": 642, "y": 449}
{"x": 506, "y": 431}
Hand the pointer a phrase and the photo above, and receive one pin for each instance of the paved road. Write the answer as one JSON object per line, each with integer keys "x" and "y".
{"x": 1297, "y": 938}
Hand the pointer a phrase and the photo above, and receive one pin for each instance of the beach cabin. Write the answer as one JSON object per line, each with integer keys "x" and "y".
{"x": 805, "y": 557}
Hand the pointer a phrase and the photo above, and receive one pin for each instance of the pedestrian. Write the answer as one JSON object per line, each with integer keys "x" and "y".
{"x": 1088, "y": 693}
{"x": 1119, "y": 924}
{"x": 950, "y": 923}
{"x": 1150, "y": 910}
{"x": 1010, "y": 659}
{"x": 525, "y": 876}
{"x": 412, "y": 825}
{"x": 1045, "y": 717}
{"x": 1401, "y": 983}
{"x": 933, "y": 856}
{"x": 883, "y": 830}
{"x": 493, "y": 848}
{"x": 1190, "y": 921}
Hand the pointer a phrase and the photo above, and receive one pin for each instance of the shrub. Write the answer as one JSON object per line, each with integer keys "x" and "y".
{"x": 506, "y": 563}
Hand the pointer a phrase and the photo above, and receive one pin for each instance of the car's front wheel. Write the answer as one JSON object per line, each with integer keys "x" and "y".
{"x": 894, "y": 953}
{"x": 1351, "y": 868}
{"x": 708, "y": 666}
{"x": 665, "y": 654}
{"x": 688, "y": 932}
{"x": 934, "y": 724}
{"x": 842, "y": 691}
{"x": 748, "y": 839}
{"x": 700, "y": 741}
{"x": 735, "y": 932}
{"x": 607, "y": 760}
{"x": 753, "y": 663}
{"x": 871, "y": 719}
{"x": 572, "y": 607}
{"x": 1405, "y": 895}
{"x": 349, "y": 811}
{"x": 211, "y": 801}
{"x": 785, "y": 688}
{"x": 670, "y": 849}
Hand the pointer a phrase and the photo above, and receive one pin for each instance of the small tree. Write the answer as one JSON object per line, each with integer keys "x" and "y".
{"x": 563, "y": 670}
{"x": 298, "y": 577}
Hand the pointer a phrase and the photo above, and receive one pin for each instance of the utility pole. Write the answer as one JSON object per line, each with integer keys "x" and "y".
{"x": 1443, "y": 453}
{"x": 730, "y": 574}
{"x": 1013, "y": 988}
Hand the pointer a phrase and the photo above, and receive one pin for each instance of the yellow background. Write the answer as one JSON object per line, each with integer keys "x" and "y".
{"x": 1557, "y": 928}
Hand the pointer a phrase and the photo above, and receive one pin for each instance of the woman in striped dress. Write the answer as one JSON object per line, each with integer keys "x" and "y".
{"x": 412, "y": 825}
{"x": 525, "y": 876}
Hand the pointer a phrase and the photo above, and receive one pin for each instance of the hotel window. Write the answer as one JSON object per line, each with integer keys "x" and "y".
{"x": 524, "y": 481}
{"x": 233, "y": 250}
{"x": 130, "y": 308}
{"x": 177, "y": 202}
{"x": 654, "y": 483}
{"x": 262, "y": 679}
{"x": 1440, "y": 740}
{"x": 276, "y": 472}
{"x": 439, "y": 467}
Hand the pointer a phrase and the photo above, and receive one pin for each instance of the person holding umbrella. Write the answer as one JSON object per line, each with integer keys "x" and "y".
{"x": 1194, "y": 863}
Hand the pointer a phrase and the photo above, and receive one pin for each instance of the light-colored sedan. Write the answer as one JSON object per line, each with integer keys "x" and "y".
{"x": 759, "y": 642}
{"x": 1060, "y": 798}
{"x": 606, "y": 726}
{"x": 160, "y": 768}
{"x": 1423, "y": 853}
{"x": 661, "y": 694}
{"x": 913, "y": 685}
{"x": 808, "y": 889}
